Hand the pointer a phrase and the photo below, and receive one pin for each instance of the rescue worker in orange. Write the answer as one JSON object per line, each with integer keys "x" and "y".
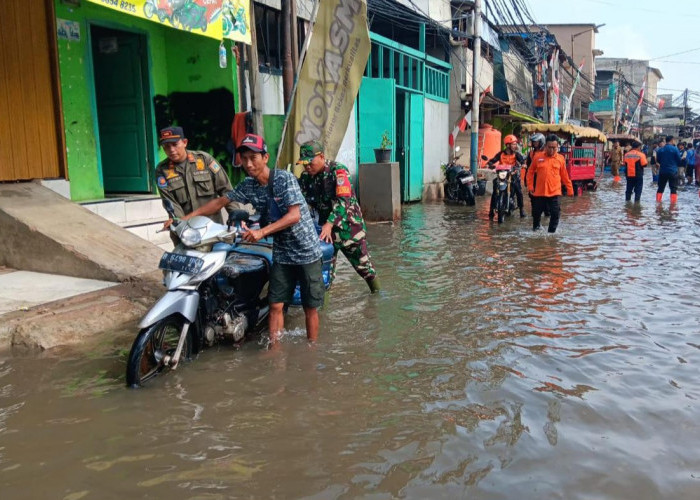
{"x": 635, "y": 161}
{"x": 544, "y": 180}
{"x": 537, "y": 141}
{"x": 511, "y": 157}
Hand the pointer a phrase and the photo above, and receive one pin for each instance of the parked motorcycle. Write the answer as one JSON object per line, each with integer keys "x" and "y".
{"x": 216, "y": 290}
{"x": 460, "y": 185}
{"x": 503, "y": 199}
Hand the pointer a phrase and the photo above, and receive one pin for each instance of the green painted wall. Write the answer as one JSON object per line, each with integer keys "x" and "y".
{"x": 193, "y": 63}
{"x": 273, "y": 134}
{"x": 178, "y": 62}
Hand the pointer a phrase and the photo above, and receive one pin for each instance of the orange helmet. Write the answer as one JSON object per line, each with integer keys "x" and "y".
{"x": 510, "y": 138}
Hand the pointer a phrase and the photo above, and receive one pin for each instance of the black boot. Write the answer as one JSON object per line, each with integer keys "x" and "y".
{"x": 491, "y": 214}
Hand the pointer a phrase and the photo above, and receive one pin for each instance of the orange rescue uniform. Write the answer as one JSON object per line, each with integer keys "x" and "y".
{"x": 532, "y": 158}
{"x": 550, "y": 173}
{"x": 634, "y": 160}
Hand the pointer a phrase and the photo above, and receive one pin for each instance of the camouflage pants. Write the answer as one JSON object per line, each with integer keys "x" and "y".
{"x": 354, "y": 247}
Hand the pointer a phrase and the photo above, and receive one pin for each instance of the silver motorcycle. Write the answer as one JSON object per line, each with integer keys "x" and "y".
{"x": 216, "y": 289}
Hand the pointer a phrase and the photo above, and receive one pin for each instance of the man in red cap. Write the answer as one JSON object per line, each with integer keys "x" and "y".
{"x": 188, "y": 179}
{"x": 296, "y": 251}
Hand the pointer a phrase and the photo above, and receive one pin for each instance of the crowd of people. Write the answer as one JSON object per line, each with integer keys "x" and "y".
{"x": 321, "y": 204}
{"x": 545, "y": 175}
{"x": 193, "y": 184}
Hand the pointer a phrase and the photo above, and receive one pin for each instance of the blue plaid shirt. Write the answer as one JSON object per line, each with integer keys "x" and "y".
{"x": 298, "y": 244}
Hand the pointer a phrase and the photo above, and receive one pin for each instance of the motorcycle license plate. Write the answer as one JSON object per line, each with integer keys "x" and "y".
{"x": 181, "y": 263}
{"x": 464, "y": 180}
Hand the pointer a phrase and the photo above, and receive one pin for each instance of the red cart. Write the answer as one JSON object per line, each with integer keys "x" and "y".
{"x": 582, "y": 147}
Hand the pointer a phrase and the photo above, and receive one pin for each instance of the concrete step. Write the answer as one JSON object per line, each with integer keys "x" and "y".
{"x": 129, "y": 210}
{"x": 150, "y": 232}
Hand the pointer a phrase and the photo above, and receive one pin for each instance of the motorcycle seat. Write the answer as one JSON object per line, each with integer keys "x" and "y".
{"x": 259, "y": 250}
{"x": 240, "y": 263}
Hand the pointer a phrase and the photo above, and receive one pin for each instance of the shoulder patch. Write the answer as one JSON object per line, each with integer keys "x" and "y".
{"x": 162, "y": 181}
{"x": 190, "y": 157}
{"x": 343, "y": 188}
{"x": 214, "y": 167}
{"x": 200, "y": 164}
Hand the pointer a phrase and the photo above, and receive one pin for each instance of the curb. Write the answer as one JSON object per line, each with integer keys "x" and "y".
{"x": 76, "y": 319}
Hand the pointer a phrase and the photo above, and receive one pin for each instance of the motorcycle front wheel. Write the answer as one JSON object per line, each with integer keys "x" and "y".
{"x": 152, "y": 345}
{"x": 502, "y": 206}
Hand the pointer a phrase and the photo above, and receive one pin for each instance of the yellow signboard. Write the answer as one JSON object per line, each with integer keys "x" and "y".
{"x": 213, "y": 18}
{"x": 329, "y": 79}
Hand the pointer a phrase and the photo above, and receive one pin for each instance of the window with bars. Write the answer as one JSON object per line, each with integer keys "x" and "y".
{"x": 412, "y": 70}
{"x": 268, "y": 28}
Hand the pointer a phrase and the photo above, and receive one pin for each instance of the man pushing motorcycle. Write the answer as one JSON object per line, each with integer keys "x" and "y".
{"x": 296, "y": 250}
{"x": 511, "y": 157}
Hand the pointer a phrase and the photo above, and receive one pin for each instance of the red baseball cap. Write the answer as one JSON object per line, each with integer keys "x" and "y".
{"x": 252, "y": 142}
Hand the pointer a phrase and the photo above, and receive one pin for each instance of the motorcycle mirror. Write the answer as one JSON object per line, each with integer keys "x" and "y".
{"x": 236, "y": 216}
{"x": 457, "y": 148}
{"x": 484, "y": 157}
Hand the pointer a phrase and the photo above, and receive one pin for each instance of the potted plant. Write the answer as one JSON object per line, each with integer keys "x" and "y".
{"x": 382, "y": 154}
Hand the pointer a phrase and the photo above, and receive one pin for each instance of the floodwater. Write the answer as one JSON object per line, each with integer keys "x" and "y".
{"x": 497, "y": 363}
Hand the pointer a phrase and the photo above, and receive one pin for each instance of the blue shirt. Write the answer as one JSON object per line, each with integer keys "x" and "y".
{"x": 690, "y": 157}
{"x": 298, "y": 244}
{"x": 669, "y": 159}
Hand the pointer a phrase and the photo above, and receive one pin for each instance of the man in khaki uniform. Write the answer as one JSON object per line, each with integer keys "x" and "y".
{"x": 616, "y": 155}
{"x": 189, "y": 179}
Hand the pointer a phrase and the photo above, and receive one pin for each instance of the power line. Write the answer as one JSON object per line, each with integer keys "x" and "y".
{"x": 675, "y": 54}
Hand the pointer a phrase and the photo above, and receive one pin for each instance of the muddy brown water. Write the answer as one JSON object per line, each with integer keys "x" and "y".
{"x": 497, "y": 363}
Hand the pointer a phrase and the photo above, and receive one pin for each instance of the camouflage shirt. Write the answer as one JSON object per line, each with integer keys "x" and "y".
{"x": 330, "y": 193}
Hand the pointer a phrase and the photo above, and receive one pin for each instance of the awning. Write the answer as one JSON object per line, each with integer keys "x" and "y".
{"x": 490, "y": 101}
{"x": 523, "y": 117}
{"x": 565, "y": 128}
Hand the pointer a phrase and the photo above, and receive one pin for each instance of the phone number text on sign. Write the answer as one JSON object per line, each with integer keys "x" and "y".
{"x": 125, "y": 6}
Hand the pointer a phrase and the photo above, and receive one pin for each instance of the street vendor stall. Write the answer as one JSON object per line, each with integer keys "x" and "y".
{"x": 582, "y": 148}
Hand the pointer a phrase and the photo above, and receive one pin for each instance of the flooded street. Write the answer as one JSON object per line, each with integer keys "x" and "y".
{"x": 496, "y": 363}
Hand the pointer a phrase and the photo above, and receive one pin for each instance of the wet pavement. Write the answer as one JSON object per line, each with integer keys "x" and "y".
{"x": 497, "y": 363}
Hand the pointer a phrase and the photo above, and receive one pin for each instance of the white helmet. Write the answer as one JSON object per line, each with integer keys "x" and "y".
{"x": 537, "y": 138}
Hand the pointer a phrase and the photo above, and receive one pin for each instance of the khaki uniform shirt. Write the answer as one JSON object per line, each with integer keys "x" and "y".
{"x": 616, "y": 157}
{"x": 192, "y": 183}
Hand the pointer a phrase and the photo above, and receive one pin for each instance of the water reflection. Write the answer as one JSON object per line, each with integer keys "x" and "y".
{"x": 496, "y": 363}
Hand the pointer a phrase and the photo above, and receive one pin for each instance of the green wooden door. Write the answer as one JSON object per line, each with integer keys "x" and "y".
{"x": 414, "y": 133}
{"x": 121, "y": 113}
{"x": 376, "y": 107}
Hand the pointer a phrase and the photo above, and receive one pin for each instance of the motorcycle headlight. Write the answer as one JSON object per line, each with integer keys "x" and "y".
{"x": 190, "y": 237}
{"x": 502, "y": 174}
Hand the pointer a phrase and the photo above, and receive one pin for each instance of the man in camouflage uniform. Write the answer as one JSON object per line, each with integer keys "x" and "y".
{"x": 188, "y": 179}
{"x": 326, "y": 186}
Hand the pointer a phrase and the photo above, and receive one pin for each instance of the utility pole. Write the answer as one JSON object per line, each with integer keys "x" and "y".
{"x": 242, "y": 98}
{"x": 287, "y": 63}
{"x": 685, "y": 106}
{"x": 253, "y": 73}
{"x": 476, "y": 46}
{"x": 295, "y": 36}
{"x": 617, "y": 97}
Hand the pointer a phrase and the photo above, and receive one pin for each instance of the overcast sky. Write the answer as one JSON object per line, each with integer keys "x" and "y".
{"x": 639, "y": 29}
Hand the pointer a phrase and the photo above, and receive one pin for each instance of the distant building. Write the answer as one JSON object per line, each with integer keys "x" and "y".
{"x": 619, "y": 82}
